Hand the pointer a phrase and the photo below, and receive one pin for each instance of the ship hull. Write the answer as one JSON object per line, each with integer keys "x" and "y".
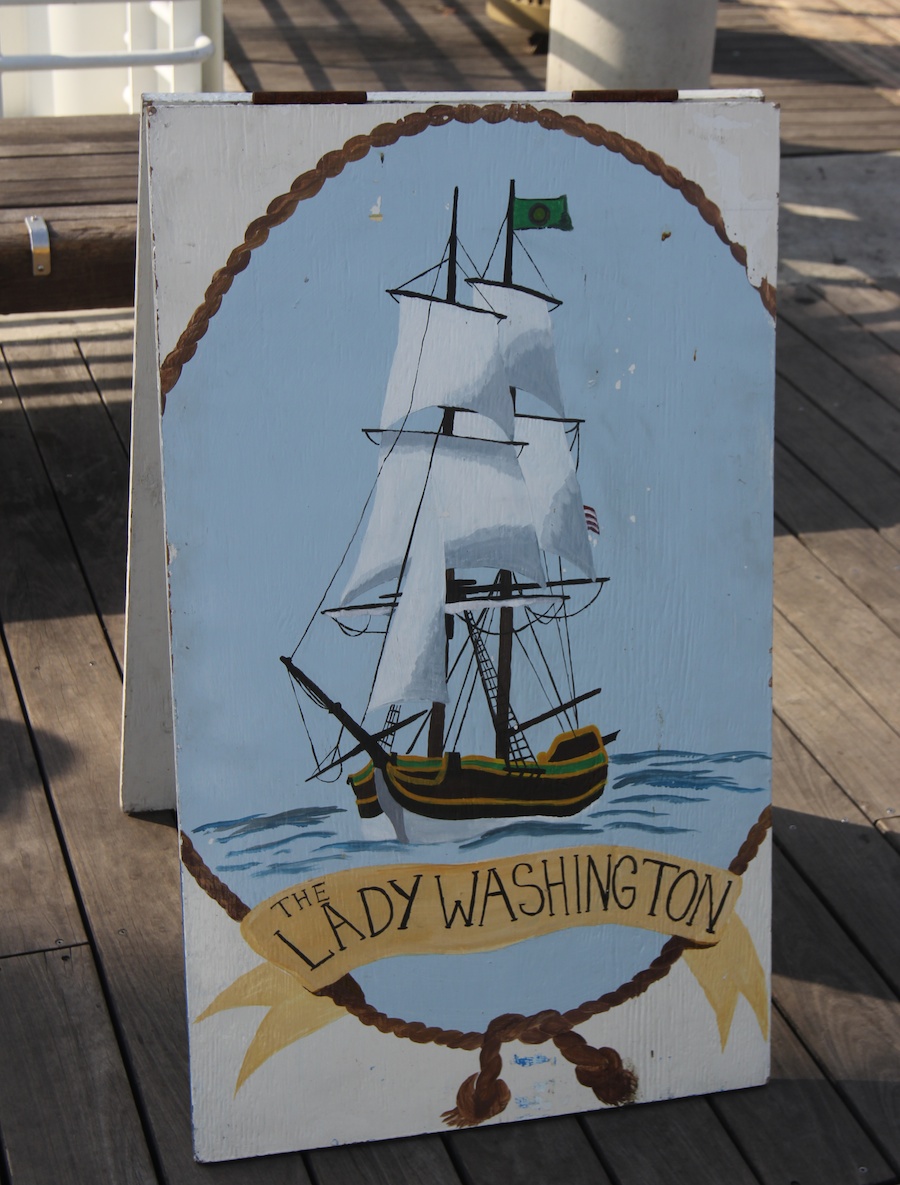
{"x": 467, "y": 791}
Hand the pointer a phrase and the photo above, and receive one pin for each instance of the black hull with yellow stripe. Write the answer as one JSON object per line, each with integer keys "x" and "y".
{"x": 563, "y": 781}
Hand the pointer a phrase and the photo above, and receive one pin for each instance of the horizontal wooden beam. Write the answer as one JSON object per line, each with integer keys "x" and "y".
{"x": 91, "y": 260}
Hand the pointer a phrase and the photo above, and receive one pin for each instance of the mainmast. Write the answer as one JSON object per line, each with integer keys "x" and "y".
{"x": 504, "y": 647}
{"x": 438, "y": 708}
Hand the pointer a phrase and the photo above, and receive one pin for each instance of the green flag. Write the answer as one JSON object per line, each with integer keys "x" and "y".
{"x": 536, "y": 213}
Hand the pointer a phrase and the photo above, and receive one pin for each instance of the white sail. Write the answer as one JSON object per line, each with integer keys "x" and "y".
{"x": 413, "y": 662}
{"x": 446, "y": 356}
{"x": 471, "y": 490}
{"x": 526, "y": 341}
{"x": 556, "y": 500}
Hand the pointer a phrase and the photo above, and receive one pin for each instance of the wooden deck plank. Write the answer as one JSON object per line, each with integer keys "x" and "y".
{"x": 844, "y": 1013}
{"x": 838, "y": 537}
{"x": 519, "y": 1154}
{"x": 836, "y": 336}
{"x": 421, "y": 1160}
{"x": 872, "y": 418}
{"x": 843, "y": 630}
{"x": 38, "y": 910}
{"x": 86, "y": 465}
{"x": 829, "y": 840}
{"x": 66, "y": 1110}
{"x": 68, "y": 135}
{"x": 890, "y": 829}
{"x": 126, "y": 868}
{"x": 810, "y": 1135}
{"x": 62, "y": 190}
{"x": 392, "y": 45}
{"x": 42, "y": 167}
{"x": 828, "y": 103}
{"x": 109, "y": 360}
{"x": 847, "y": 467}
{"x": 664, "y": 1143}
{"x": 850, "y": 740}
{"x": 877, "y": 310}
{"x": 101, "y": 211}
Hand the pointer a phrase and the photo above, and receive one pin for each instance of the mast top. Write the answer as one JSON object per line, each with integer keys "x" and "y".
{"x": 510, "y": 210}
{"x": 451, "y": 264}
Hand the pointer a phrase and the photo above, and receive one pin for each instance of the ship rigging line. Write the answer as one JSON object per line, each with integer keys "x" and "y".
{"x": 537, "y": 675}
{"x": 462, "y": 691}
{"x": 468, "y": 699}
{"x": 533, "y": 264}
{"x": 565, "y": 647}
{"x": 461, "y": 244}
{"x": 494, "y": 248}
{"x": 565, "y": 618}
{"x": 450, "y": 674}
{"x": 331, "y": 752}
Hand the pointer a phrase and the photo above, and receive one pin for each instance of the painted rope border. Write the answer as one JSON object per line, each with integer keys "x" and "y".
{"x": 308, "y": 184}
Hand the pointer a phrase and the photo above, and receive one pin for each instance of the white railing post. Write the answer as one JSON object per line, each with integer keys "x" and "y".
{"x": 159, "y": 46}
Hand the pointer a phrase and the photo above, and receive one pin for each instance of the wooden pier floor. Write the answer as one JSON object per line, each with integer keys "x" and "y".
{"x": 93, "y": 1049}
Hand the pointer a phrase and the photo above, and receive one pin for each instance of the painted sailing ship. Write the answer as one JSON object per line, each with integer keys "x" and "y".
{"x": 470, "y": 483}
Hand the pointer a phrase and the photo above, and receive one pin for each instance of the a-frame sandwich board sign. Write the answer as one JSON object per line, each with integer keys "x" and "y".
{"x": 464, "y": 407}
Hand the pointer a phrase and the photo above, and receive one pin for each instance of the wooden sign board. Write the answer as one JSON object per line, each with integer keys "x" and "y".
{"x": 467, "y": 414}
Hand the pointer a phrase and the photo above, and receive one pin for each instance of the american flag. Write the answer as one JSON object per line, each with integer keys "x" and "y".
{"x": 590, "y": 518}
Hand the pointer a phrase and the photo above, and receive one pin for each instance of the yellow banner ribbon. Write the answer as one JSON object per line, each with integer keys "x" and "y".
{"x": 315, "y": 932}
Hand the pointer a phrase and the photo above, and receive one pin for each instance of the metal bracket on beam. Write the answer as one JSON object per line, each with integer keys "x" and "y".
{"x": 40, "y": 244}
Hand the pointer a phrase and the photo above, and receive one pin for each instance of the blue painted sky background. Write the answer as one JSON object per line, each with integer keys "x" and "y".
{"x": 664, "y": 349}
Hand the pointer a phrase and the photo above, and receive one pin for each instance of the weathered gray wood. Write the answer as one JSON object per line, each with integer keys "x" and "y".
{"x": 59, "y": 189}
{"x": 890, "y": 829}
{"x": 871, "y": 418}
{"x": 126, "y": 869}
{"x": 395, "y": 45}
{"x": 840, "y": 627}
{"x": 64, "y": 213}
{"x": 66, "y": 1110}
{"x": 109, "y": 359}
{"x": 849, "y": 739}
{"x": 797, "y": 1128}
{"x": 825, "y": 107}
{"x": 662, "y": 1143}
{"x": 837, "y": 336}
{"x": 37, "y": 906}
{"x": 837, "y": 536}
{"x": 847, "y": 467}
{"x": 68, "y": 134}
{"x": 876, "y": 309}
{"x": 86, "y": 464}
{"x": 42, "y": 167}
{"x": 521, "y": 1153}
{"x": 830, "y": 840}
{"x": 844, "y": 1013}
{"x": 422, "y": 1160}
